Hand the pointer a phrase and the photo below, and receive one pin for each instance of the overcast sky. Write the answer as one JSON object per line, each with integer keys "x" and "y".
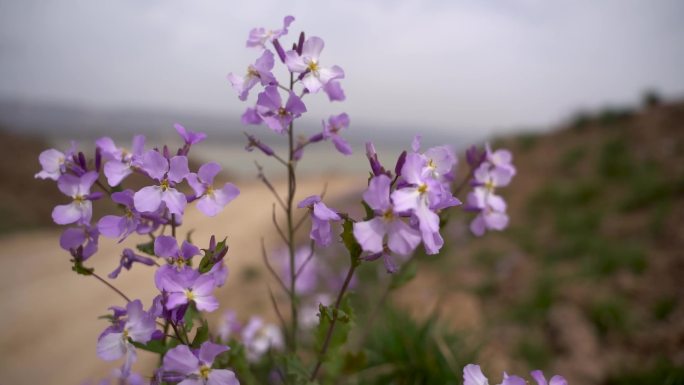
{"x": 449, "y": 65}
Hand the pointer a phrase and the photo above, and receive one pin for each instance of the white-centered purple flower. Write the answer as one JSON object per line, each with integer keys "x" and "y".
{"x": 120, "y": 162}
{"x": 114, "y": 343}
{"x": 211, "y": 201}
{"x": 260, "y": 337}
{"x": 121, "y": 226}
{"x": 167, "y": 247}
{"x": 491, "y": 208}
{"x": 331, "y": 131}
{"x": 195, "y": 367}
{"x": 270, "y": 110}
{"x": 85, "y": 237}
{"x": 321, "y": 216}
{"x": 315, "y": 76}
{"x": 80, "y": 210}
{"x": 259, "y": 72}
{"x": 186, "y": 286}
{"x": 55, "y": 163}
{"x": 401, "y": 238}
{"x": 421, "y": 196}
{"x": 258, "y": 37}
{"x": 167, "y": 172}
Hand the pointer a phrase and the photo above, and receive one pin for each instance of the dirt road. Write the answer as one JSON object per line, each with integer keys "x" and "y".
{"x": 48, "y": 314}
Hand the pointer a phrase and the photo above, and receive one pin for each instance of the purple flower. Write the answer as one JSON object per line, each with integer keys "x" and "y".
{"x": 113, "y": 343}
{"x": 229, "y": 326}
{"x": 186, "y": 286}
{"x": 121, "y": 226}
{"x": 259, "y": 36}
{"x": 401, "y": 238}
{"x": 211, "y": 201}
{"x": 321, "y": 216}
{"x": 491, "y": 208}
{"x": 331, "y": 131}
{"x": 372, "y": 156}
{"x": 315, "y": 77}
{"x": 501, "y": 159}
{"x": 85, "y": 237}
{"x": 538, "y": 376}
{"x": 189, "y": 137}
{"x": 167, "y": 173}
{"x": 259, "y": 337}
{"x": 441, "y": 162}
{"x": 120, "y": 161}
{"x": 167, "y": 247}
{"x": 195, "y": 368}
{"x": 260, "y": 72}
{"x": 420, "y": 197}
{"x": 54, "y": 162}
{"x": 128, "y": 257}
{"x": 80, "y": 210}
{"x": 270, "y": 110}
{"x": 472, "y": 375}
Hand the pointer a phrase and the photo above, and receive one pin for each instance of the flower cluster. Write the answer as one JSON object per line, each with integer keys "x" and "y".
{"x": 184, "y": 290}
{"x": 472, "y": 375}
{"x": 491, "y": 170}
{"x": 405, "y": 207}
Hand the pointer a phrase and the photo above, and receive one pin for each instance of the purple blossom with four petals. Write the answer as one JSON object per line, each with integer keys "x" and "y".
{"x": 85, "y": 237}
{"x": 121, "y": 226}
{"x": 401, "y": 238}
{"x": 186, "y": 286}
{"x": 315, "y": 77}
{"x": 211, "y": 201}
{"x": 167, "y": 172}
{"x": 195, "y": 367}
{"x": 331, "y": 131}
{"x": 54, "y": 162}
{"x": 259, "y": 72}
{"x": 258, "y": 37}
{"x": 189, "y": 137}
{"x": 114, "y": 344}
{"x": 270, "y": 110}
{"x": 121, "y": 162}
{"x": 80, "y": 210}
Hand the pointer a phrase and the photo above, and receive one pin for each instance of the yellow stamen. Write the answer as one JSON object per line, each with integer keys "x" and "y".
{"x": 164, "y": 184}
{"x": 422, "y": 188}
{"x": 204, "y": 371}
{"x": 189, "y": 295}
{"x": 313, "y": 66}
{"x": 388, "y": 215}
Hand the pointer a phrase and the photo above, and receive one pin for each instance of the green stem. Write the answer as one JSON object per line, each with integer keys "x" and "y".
{"x": 331, "y": 328}
{"x": 291, "y": 188}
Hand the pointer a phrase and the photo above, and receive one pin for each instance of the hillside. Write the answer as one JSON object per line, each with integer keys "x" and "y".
{"x": 587, "y": 281}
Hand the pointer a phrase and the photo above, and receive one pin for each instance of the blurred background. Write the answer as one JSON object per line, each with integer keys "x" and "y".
{"x": 589, "y": 96}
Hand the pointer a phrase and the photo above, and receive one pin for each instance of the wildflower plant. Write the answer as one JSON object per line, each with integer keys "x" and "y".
{"x": 406, "y": 205}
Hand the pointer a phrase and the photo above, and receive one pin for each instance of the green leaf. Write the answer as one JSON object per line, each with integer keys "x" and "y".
{"x": 342, "y": 327}
{"x": 350, "y": 241}
{"x": 147, "y": 248}
{"x": 202, "y": 335}
{"x": 154, "y": 346}
{"x": 404, "y": 276}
